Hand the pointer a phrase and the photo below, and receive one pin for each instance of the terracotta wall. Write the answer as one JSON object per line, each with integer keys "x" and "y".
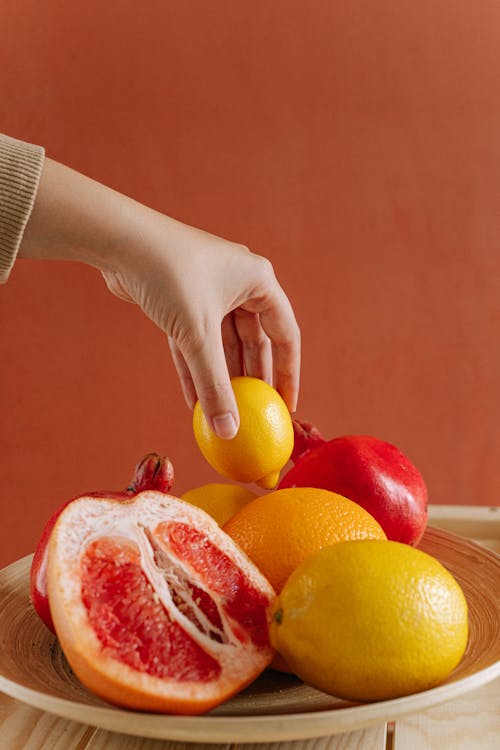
{"x": 357, "y": 145}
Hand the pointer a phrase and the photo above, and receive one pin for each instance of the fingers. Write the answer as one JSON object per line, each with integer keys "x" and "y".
{"x": 256, "y": 334}
{"x": 183, "y": 373}
{"x": 232, "y": 346}
{"x": 278, "y": 321}
{"x": 263, "y": 342}
{"x": 257, "y": 351}
{"x": 246, "y": 349}
{"x": 203, "y": 357}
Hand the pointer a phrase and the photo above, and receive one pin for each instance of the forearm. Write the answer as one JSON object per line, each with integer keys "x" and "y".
{"x": 77, "y": 218}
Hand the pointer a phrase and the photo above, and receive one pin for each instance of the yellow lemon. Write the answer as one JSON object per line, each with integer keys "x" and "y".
{"x": 264, "y": 441}
{"x": 221, "y": 501}
{"x": 371, "y": 620}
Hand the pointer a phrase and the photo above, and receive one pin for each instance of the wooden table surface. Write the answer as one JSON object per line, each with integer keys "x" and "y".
{"x": 470, "y": 722}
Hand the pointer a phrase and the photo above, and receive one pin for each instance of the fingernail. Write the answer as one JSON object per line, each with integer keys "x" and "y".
{"x": 225, "y": 425}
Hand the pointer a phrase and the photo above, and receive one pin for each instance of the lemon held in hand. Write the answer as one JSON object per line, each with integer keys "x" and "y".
{"x": 264, "y": 440}
{"x": 371, "y": 620}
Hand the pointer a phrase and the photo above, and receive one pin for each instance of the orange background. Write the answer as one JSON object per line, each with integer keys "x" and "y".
{"x": 356, "y": 144}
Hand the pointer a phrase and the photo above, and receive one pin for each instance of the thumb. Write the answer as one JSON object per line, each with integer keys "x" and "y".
{"x": 207, "y": 364}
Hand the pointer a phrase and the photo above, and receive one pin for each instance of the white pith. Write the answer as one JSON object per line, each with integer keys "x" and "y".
{"x": 91, "y": 518}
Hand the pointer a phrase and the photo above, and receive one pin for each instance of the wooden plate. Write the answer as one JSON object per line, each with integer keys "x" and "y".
{"x": 276, "y": 707}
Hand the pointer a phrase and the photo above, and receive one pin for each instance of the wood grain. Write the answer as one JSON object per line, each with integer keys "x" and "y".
{"x": 25, "y": 728}
{"x": 373, "y": 738}
{"x": 468, "y": 723}
{"x": 103, "y": 740}
{"x": 366, "y": 739}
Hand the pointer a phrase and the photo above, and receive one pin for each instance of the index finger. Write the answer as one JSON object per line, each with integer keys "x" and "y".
{"x": 278, "y": 321}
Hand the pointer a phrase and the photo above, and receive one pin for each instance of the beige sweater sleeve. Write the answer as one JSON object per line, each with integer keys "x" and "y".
{"x": 20, "y": 169}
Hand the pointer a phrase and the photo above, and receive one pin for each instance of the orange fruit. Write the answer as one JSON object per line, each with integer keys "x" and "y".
{"x": 371, "y": 620}
{"x": 279, "y": 530}
{"x": 264, "y": 441}
{"x": 221, "y": 501}
{"x": 155, "y": 608}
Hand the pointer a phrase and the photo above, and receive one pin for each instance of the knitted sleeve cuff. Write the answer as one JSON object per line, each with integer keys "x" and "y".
{"x": 20, "y": 169}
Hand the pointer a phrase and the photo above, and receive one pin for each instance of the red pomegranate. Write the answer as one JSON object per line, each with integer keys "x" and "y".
{"x": 151, "y": 473}
{"x": 373, "y": 473}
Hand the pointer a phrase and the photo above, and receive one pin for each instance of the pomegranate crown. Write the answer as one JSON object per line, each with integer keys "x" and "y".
{"x": 153, "y": 472}
{"x": 306, "y": 437}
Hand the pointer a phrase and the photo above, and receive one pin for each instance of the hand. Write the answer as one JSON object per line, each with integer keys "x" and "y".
{"x": 222, "y": 308}
{"x": 220, "y": 305}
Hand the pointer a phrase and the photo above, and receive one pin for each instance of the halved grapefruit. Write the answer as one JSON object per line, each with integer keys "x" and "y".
{"x": 155, "y": 607}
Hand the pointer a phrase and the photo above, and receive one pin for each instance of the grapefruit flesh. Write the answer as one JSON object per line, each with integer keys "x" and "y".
{"x": 245, "y": 604}
{"x": 132, "y": 625}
